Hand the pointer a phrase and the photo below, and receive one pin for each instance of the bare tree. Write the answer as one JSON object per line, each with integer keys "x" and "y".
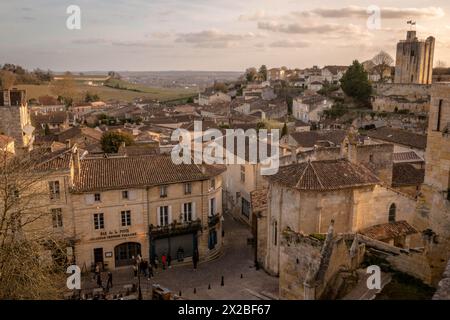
{"x": 382, "y": 62}
{"x": 27, "y": 248}
{"x": 7, "y": 79}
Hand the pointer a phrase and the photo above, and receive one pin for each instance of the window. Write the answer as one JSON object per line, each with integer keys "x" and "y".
{"x": 163, "y": 191}
{"x": 55, "y": 191}
{"x": 126, "y": 218}
{"x": 238, "y": 195}
{"x": 275, "y": 233}
{"x": 212, "y": 184}
{"x": 371, "y": 158}
{"x": 57, "y": 218}
{"x": 392, "y": 212}
{"x": 243, "y": 173}
{"x": 97, "y": 197}
{"x": 438, "y": 123}
{"x": 188, "y": 188}
{"x": 448, "y": 188}
{"x": 212, "y": 206}
{"x": 245, "y": 208}
{"x": 163, "y": 216}
{"x": 125, "y": 195}
{"x": 187, "y": 212}
{"x": 98, "y": 221}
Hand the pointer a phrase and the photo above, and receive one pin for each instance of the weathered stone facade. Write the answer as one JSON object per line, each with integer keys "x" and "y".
{"x": 15, "y": 118}
{"x": 392, "y": 97}
{"x": 414, "y": 60}
{"x": 434, "y": 204}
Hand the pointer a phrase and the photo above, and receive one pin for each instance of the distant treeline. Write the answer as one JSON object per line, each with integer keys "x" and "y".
{"x": 23, "y": 76}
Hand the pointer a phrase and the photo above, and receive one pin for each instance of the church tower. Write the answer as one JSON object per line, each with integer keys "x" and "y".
{"x": 414, "y": 60}
{"x": 15, "y": 118}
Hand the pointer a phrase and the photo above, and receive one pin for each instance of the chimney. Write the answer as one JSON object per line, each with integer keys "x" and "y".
{"x": 68, "y": 144}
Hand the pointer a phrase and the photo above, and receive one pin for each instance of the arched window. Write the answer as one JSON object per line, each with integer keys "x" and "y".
{"x": 392, "y": 212}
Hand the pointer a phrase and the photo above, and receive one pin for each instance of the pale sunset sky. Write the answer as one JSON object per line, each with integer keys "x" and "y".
{"x": 215, "y": 35}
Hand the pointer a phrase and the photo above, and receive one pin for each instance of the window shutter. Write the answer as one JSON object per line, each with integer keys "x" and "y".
{"x": 194, "y": 214}
{"x": 89, "y": 198}
{"x": 182, "y": 212}
{"x": 170, "y": 214}
{"x": 158, "y": 216}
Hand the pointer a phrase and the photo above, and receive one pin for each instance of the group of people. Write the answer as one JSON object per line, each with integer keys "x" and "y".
{"x": 147, "y": 269}
{"x": 141, "y": 265}
{"x": 98, "y": 278}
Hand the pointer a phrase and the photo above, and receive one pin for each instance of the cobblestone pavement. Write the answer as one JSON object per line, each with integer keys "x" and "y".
{"x": 236, "y": 259}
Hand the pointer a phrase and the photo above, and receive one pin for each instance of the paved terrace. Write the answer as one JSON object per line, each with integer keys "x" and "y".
{"x": 236, "y": 259}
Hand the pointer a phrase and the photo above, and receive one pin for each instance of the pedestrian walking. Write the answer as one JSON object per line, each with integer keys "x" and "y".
{"x": 156, "y": 261}
{"x": 135, "y": 270}
{"x": 195, "y": 259}
{"x": 145, "y": 267}
{"x": 150, "y": 272}
{"x": 164, "y": 261}
{"x": 169, "y": 260}
{"x": 99, "y": 280}
{"x": 109, "y": 283}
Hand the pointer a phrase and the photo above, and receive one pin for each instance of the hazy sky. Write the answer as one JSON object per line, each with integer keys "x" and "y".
{"x": 210, "y": 34}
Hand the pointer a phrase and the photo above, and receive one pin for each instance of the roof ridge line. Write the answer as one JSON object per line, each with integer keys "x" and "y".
{"x": 301, "y": 177}
{"x": 318, "y": 179}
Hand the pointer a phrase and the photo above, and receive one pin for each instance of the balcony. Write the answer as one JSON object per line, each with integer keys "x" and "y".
{"x": 213, "y": 220}
{"x": 174, "y": 228}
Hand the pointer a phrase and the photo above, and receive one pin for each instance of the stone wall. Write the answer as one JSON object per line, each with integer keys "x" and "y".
{"x": 443, "y": 291}
{"x": 390, "y": 97}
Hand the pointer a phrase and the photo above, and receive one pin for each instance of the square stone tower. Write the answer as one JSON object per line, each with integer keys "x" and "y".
{"x": 414, "y": 60}
{"x": 15, "y": 118}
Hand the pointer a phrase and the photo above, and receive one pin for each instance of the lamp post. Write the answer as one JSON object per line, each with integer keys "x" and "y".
{"x": 139, "y": 281}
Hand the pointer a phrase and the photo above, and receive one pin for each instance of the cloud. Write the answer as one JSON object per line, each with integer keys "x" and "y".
{"x": 140, "y": 44}
{"x": 213, "y": 38}
{"x": 304, "y": 28}
{"x": 161, "y": 35}
{"x": 386, "y": 12}
{"x": 258, "y": 15}
{"x": 289, "y": 44}
{"x": 90, "y": 41}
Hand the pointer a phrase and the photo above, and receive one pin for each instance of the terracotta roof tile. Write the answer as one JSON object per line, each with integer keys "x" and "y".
{"x": 324, "y": 175}
{"x": 398, "y": 136}
{"x": 114, "y": 173}
{"x": 408, "y": 156}
{"x": 404, "y": 174}
{"x": 389, "y": 231}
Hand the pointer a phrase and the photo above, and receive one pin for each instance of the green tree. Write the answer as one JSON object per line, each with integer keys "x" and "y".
{"x": 91, "y": 97}
{"x": 263, "y": 72}
{"x": 355, "y": 83}
{"x": 289, "y": 102}
{"x": 251, "y": 74}
{"x": 112, "y": 140}
{"x": 284, "y": 131}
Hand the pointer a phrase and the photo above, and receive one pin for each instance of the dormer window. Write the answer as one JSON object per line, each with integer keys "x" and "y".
{"x": 163, "y": 191}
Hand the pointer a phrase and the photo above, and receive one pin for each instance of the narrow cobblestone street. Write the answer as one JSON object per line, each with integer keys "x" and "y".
{"x": 236, "y": 260}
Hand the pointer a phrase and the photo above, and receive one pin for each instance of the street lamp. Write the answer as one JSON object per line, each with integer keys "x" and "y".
{"x": 139, "y": 281}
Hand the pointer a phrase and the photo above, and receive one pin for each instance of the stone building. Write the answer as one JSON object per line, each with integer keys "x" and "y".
{"x": 111, "y": 209}
{"x": 15, "y": 118}
{"x": 306, "y": 197}
{"x": 434, "y": 204}
{"x": 414, "y": 60}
